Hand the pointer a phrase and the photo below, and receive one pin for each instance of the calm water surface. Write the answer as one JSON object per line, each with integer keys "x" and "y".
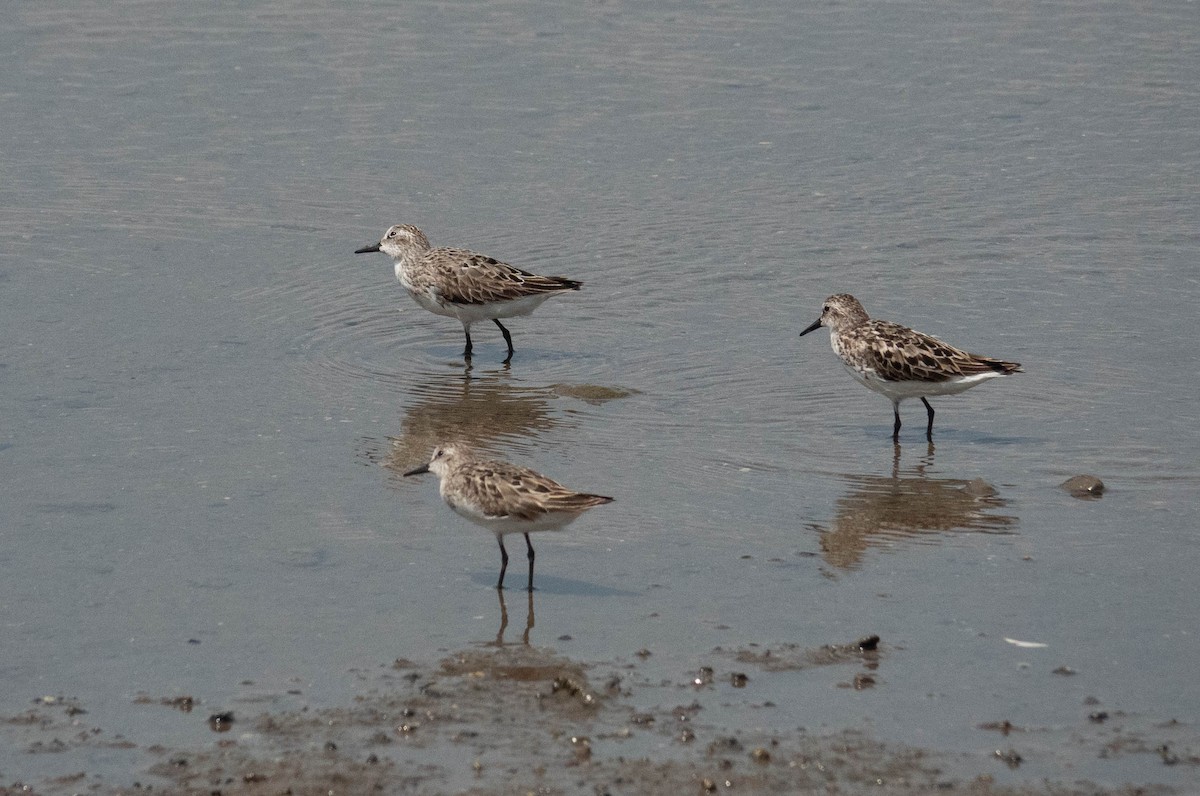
{"x": 207, "y": 398}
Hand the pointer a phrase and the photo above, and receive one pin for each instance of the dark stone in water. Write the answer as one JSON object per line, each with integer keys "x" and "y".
{"x": 1084, "y": 486}
{"x": 980, "y": 489}
{"x": 221, "y": 722}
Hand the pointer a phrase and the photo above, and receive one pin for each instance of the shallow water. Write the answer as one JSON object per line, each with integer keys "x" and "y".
{"x": 209, "y": 398}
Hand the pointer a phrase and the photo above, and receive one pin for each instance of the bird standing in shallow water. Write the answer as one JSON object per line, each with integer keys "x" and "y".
{"x": 505, "y": 498}
{"x": 899, "y": 362}
{"x": 463, "y": 284}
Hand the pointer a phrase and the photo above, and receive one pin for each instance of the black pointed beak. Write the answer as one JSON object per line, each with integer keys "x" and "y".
{"x": 816, "y": 325}
{"x": 424, "y": 468}
{"x": 374, "y": 247}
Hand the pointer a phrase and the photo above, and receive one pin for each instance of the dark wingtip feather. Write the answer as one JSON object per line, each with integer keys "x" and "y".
{"x": 976, "y": 364}
{"x": 1007, "y": 367}
{"x": 588, "y": 501}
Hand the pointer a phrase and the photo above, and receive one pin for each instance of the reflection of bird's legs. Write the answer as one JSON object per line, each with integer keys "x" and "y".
{"x": 896, "y": 426}
{"x": 503, "y": 619}
{"x": 529, "y": 621}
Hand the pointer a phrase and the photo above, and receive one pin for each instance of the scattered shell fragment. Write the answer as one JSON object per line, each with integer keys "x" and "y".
{"x": 1029, "y": 645}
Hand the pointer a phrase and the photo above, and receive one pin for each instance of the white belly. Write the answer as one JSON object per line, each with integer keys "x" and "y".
{"x": 468, "y": 314}
{"x": 897, "y": 391}
{"x": 500, "y": 526}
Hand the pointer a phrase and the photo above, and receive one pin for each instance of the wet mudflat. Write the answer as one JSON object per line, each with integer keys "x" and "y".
{"x": 208, "y": 398}
{"x": 511, "y": 717}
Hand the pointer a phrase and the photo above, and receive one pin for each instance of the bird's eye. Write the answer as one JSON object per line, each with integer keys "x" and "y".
{"x": 825, "y": 308}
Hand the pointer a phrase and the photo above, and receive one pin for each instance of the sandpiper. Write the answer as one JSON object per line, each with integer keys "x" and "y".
{"x": 463, "y": 284}
{"x": 505, "y": 498}
{"x": 899, "y": 362}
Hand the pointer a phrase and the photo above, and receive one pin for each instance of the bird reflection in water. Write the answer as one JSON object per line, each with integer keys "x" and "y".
{"x": 500, "y": 642}
{"x": 484, "y": 411}
{"x": 880, "y": 511}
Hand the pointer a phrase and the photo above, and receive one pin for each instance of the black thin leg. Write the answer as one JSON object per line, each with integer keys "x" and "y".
{"x": 507, "y": 340}
{"x": 530, "y": 546}
{"x": 503, "y": 562}
{"x": 929, "y": 430}
{"x": 896, "y": 426}
{"x": 467, "y": 353}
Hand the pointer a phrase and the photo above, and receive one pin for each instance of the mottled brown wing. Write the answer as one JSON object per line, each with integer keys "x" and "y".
{"x": 466, "y": 277}
{"x": 898, "y": 353}
{"x": 507, "y": 490}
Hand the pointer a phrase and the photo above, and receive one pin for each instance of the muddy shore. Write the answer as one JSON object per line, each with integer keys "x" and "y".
{"x": 510, "y": 718}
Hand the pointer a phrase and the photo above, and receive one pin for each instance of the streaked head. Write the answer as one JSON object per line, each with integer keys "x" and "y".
{"x": 398, "y": 240}
{"x": 841, "y": 311}
{"x": 442, "y": 459}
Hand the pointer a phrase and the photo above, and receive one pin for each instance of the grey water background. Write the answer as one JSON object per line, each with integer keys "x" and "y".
{"x": 206, "y": 397}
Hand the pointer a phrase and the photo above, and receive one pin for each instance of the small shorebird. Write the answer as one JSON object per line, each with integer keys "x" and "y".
{"x": 899, "y": 362}
{"x": 505, "y": 498}
{"x": 463, "y": 284}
